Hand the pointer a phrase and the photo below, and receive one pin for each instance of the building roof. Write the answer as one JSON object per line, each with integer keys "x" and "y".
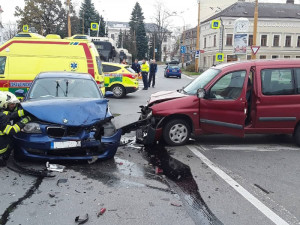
{"x": 265, "y": 10}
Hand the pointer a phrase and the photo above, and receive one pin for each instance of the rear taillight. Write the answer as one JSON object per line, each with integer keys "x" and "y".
{"x": 179, "y": 71}
{"x": 131, "y": 76}
{"x": 168, "y": 71}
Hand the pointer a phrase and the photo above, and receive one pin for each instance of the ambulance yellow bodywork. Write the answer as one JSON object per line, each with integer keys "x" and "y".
{"x": 26, "y": 55}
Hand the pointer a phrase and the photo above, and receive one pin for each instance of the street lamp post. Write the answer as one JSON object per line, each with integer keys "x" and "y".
{"x": 198, "y": 39}
{"x": 253, "y": 56}
{"x": 69, "y": 20}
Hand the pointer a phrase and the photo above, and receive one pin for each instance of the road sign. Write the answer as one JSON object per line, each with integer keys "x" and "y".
{"x": 202, "y": 51}
{"x": 182, "y": 49}
{"x": 25, "y": 28}
{"x": 215, "y": 24}
{"x": 255, "y": 49}
{"x": 94, "y": 26}
{"x": 197, "y": 54}
{"x": 220, "y": 57}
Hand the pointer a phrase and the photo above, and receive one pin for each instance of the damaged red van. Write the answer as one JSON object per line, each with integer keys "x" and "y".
{"x": 251, "y": 97}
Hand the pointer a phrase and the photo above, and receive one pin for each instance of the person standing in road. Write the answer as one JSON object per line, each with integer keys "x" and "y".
{"x": 153, "y": 70}
{"x": 136, "y": 66}
{"x": 145, "y": 71}
{"x": 7, "y": 130}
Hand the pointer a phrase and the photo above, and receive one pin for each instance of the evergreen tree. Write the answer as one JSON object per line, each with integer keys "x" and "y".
{"x": 88, "y": 15}
{"x": 139, "y": 46}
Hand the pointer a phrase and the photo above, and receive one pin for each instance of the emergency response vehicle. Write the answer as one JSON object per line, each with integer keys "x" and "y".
{"x": 120, "y": 79}
{"x": 28, "y": 54}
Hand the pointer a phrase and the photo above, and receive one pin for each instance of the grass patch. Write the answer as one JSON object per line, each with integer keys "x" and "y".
{"x": 190, "y": 73}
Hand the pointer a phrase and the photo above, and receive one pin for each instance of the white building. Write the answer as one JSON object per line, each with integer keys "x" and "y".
{"x": 114, "y": 28}
{"x": 278, "y": 32}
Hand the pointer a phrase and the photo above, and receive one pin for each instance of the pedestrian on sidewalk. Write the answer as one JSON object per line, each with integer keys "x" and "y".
{"x": 145, "y": 71}
{"x": 153, "y": 71}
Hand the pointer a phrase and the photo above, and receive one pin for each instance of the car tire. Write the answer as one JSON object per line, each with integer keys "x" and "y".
{"x": 179, "y": 77}
{"x": 297, "y": 135}
{"x": 176, "y": 132}
{"x": 118, "y": 91}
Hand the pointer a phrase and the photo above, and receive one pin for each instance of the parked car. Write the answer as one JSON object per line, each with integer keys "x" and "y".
{"x": 172, "y": 70}
{"x": 70, "y": 120}
{"x": 120, "y": 79}
{"x": 261, "y": 97}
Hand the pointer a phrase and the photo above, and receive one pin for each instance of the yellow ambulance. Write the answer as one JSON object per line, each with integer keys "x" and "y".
{"x": 27, "y": 54}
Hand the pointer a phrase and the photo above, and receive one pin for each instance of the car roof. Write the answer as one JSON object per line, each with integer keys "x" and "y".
{"x": 114, "y": 64}
{"x": 64, "y": 74}
{"x": 259, "y": 62}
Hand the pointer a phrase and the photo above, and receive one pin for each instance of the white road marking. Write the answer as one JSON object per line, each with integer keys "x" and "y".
{"x": 242, "y": 191}
{"x": 188, "y": 77}
{"x": 256, "y": 148}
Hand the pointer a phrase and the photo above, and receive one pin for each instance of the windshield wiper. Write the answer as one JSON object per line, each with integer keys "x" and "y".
{"x": 58, "y": 85}
{"x": 67, "y": 87}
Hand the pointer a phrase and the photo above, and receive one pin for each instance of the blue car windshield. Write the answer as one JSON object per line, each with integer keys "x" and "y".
{"x": 201, "y": 81}
{"x": 64, "y": 88}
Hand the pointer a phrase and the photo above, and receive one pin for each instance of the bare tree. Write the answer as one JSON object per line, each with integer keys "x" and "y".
{"x": 10, "y": 30}
{"x": 162, "y": 23}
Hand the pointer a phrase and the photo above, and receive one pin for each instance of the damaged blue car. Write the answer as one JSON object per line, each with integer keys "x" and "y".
{"x": 70, "y": 120}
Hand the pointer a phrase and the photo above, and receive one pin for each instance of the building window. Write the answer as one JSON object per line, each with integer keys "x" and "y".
{"x": 288, "y": 40}
{"x": 286, "y": 56}
{"x": 276, "y": 41}
{"x": 263, "y": 41}
{"x": 250, "y": 40}
{"x": 215, "y": 40}
{"x": 298, "y": 41}
{"x": 262, "y": 57}
{"x": 298, "y": 57}
{"x": 248, "y": 57}
{"x": 229, "y": 39}
{"x": 214, "y": 59}
{"x": 274, "y": 56}
{"x": 204, "y": 42}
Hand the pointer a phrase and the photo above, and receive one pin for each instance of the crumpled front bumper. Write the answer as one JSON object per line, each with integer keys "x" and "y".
{"x": 38, "y": 146}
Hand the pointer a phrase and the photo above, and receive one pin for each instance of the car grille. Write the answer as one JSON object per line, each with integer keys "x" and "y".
{"x": 56, "y": 132}
{"x": 72, "y": 131}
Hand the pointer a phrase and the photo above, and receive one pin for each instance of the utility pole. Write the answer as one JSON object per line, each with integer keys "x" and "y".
{"x": 183, "y": 44}
{"x": 69, "y": 20}
{"x": 153, "y": 45}
{"x": 198, "y": 39}
{"x": 253, "y": 56}
{"x": 82, "y": 22}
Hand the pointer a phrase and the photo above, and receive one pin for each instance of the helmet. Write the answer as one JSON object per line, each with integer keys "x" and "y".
{"x": 4, "y": 98}
{"x": 13, "y": 99}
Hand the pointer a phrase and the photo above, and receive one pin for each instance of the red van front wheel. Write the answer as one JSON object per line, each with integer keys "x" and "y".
{"x": 176, "y": 132}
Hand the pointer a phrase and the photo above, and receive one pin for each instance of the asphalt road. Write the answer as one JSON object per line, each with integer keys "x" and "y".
{"x": 215, "y": 179}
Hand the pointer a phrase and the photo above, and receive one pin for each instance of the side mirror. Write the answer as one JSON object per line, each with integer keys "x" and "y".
{"x": 201, "y": 93}
{"x": 108, "y": 94}
{"x": 20, "y": 93}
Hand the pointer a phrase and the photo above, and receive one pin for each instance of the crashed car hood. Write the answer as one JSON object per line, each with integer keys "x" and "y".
{"x": 165, "y": 96}
{"x": 72, "y": 112}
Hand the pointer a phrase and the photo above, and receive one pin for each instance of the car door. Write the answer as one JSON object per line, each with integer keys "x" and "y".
{"x": 223, "y": 109}
{"x": 277, "y": 104}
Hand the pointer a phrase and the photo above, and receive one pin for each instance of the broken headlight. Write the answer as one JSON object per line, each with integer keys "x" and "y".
{"x": 109, "y": 129}
{"x": 32, "y": 128}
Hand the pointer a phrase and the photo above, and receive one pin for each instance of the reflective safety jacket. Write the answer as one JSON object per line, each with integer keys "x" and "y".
{"x": 6, "y": 128}
{"x": 144, "y": 68}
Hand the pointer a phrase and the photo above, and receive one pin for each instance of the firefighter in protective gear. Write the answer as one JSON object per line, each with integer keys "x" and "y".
{"x": 7, "y": 129}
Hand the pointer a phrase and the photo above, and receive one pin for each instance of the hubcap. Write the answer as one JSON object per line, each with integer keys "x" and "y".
{"x": 117, "y": 91}
{"x": 178, "y": 133}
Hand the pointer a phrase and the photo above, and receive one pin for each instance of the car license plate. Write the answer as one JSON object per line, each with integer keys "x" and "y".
{"x": 65, "y": 144}
{"x": 174, "y": 71}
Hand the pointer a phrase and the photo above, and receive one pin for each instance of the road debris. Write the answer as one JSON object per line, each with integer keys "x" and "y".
{"x": 102, "y": 211}
{"x": 51, "y": 195}
{"x": 261, "y": 188}
{"x": 176, "y": 204}
{"x": 93, "y": 160}
{"x": 82, "y": 221}
{"x": 61, "y": 181}
{"x": 55, "y": 167}
{"x": 158, "y": 170}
